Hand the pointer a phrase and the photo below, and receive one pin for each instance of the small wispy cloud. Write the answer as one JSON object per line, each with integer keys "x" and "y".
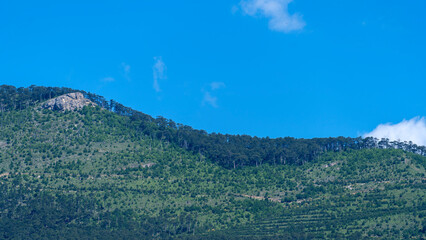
{"x": 108, "y": 79}
{"x": 126, "y": 70}
{"x": 209, "y": 99}
{"x": 413, "y": 130}
{"x": 208, "y": 95}
{"x": 277, "y": 12}
{"x": 158, "y": 71}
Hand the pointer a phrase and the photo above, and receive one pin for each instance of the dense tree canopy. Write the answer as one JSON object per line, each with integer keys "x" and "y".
{"x": 230, "y": 151}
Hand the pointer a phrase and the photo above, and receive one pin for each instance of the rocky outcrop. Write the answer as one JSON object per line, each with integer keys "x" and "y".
{"x": 68, "y": 102}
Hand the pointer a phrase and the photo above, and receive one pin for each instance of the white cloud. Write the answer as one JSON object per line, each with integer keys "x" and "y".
{"x": 277, "y": 13}
{"x": 408, "y": 130}
{"x": 158, "y": 71}
{"x": 208, "y": 98}
{"x": 108, "y": 79}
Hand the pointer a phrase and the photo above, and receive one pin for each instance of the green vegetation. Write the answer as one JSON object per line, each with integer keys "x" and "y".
{"x": 97, "y": 174}
{"x": 229, "y": 151}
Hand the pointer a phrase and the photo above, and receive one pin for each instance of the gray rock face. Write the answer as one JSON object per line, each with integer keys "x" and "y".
{"x": 68, "y": 102}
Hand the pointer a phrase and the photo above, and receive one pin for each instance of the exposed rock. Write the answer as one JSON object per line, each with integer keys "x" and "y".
{"x": 68, "y": 102}
{"x": 4, "y": 174}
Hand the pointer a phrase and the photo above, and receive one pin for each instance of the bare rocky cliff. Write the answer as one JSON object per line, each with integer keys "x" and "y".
{"x": 68, "y": 102}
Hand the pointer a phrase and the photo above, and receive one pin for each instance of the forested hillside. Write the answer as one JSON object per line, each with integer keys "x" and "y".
{"x": 115, "y": 173}
{"x": 230, "y": 151}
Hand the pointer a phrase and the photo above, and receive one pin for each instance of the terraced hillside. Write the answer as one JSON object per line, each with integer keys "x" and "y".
{"x": 361, "y": 194}
{"x": 91, "y": 173}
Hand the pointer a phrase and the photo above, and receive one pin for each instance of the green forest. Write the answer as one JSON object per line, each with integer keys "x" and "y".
{"x": 111, "y": 172}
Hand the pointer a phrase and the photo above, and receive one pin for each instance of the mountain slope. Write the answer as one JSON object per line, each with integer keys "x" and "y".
{"x": 229, "y": 151}
{"x": 92, "y": 173}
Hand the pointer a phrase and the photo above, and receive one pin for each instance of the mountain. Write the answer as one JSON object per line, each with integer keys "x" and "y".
{"x": 229, "y": 151}
{"x": 106, "y": 171}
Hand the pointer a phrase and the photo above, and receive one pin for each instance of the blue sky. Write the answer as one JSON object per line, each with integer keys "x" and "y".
{"x": 259, "y": 67}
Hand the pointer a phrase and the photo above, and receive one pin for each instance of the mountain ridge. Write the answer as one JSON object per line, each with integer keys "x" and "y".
{"x": 81, "y": 174}
{"x": 230, "y": 151}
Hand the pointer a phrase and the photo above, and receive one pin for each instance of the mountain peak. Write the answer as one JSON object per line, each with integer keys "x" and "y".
{"x": 68, "y": 102}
